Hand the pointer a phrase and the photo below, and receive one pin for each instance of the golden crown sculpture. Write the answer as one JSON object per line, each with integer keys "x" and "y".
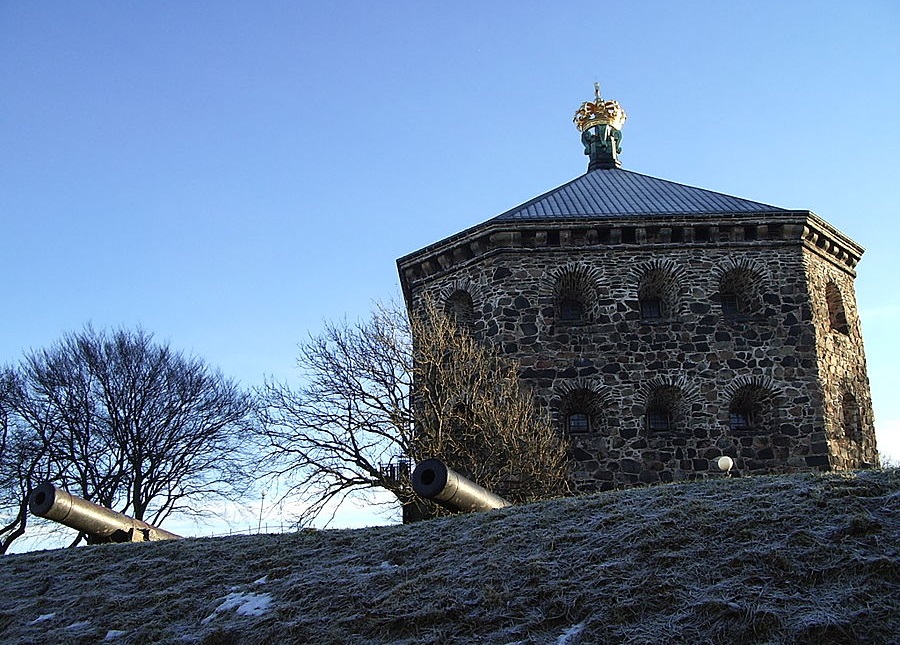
{"x": 599, "y": 112}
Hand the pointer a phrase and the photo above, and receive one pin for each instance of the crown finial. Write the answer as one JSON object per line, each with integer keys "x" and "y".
{"x": 600, "y": 123}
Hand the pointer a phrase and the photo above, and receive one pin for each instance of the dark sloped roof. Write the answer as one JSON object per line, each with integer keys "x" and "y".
{"x": 615, "y": 192}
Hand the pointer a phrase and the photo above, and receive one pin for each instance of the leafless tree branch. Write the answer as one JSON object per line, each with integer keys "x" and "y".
{"x": 370, "y": 395}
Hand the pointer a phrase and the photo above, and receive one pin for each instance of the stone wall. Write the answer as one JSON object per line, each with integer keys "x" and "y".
{"x": 659, "y": 355}
{"x": 849, "y": 423}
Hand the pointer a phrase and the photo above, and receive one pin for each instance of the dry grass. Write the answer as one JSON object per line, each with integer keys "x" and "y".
{"x": 803, "y": 559}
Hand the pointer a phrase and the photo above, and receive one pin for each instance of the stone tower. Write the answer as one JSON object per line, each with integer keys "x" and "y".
{"x": 665, "y": 326}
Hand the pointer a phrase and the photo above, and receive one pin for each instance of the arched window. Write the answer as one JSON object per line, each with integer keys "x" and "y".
{"x": 460, "y": 309}
{"x": 574, "y": 293}
{"x": 581, "y": 411}
{"x": 749, "y": 408}
{"x": 663, "y": 409}
{"x": 850, "y": 414}
{"x": 657, "y": 294}
{"x": 837, "y": 318}
{"x": 739, "y": 292}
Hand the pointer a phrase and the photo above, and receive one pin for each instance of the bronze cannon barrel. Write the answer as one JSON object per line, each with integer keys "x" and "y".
{"x": 101, "y": 524}
{"x": 433, "y": 480}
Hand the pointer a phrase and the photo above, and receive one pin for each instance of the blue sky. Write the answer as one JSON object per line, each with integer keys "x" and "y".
{"x": 230, "y": 174}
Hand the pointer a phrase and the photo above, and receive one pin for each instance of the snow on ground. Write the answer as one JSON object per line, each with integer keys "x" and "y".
{"x": 569, "y": 636}
{"x": 244, "y": 604}
{"x": 41, "y": 618}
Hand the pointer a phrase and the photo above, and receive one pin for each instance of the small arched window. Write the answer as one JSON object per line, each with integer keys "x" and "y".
{"x": 581, "y": 412}
{"x": 574, "y": 293}
{"x": 663, "y": 409}
{"x": 750, "y": 407}
{"x": 657, "y": 294}
{"x": 460, "y": 309}
{"x": 837, "y": 318}
{"x": 850, "y": 414}
{"x": 740, "y": 292}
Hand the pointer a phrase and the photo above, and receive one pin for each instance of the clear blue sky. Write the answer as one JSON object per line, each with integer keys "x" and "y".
{"x": 230, "y": 174}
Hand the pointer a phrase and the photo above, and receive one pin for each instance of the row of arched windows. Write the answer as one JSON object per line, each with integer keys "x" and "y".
{"x": 739, "y": 294}
{"x": 659, "y": 293}
{"x": 750, "y": 408}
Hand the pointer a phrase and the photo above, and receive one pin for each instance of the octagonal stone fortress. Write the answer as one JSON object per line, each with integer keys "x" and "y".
{"x": 664, "y": 326}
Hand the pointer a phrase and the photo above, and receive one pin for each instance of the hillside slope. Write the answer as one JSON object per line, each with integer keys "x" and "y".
{"x": 794, "y": 559}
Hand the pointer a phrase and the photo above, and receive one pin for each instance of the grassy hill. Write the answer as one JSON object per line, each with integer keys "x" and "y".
{"x": 793, "y": 559}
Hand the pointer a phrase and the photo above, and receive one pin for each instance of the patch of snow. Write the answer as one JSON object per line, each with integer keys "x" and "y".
{"x": 113, "y": 634}
{"x": 244, "y": 604}
{"x": 80, "y": 625}
{"x": 568, "y": 637}
{"x": 42, "y": 618}
{"x": 261, "y": 581}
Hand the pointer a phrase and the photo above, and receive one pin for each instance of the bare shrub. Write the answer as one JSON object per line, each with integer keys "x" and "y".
{"x": 395, "y": 389}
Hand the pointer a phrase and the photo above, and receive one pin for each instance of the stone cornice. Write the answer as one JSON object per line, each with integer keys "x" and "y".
{"x": 825, "y": 240}
{"x": 740, "y": 230}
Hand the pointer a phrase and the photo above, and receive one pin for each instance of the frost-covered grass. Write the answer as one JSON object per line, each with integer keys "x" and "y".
{"x": 806, "y": 559}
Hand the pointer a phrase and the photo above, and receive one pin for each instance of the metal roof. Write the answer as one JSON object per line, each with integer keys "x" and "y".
{"x": 612, "y": 192}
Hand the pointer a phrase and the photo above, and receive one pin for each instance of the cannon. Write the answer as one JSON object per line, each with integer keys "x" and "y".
{"x": 101, "y": 524}
{"x": 433, "y": 480}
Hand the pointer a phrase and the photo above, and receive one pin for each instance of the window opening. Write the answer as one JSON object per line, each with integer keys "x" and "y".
{"x": 571, "y": 310}
{"x": 579, "y": 422}
{"x": 740, "y": 419}
{"x": 837, "y": 318}
{"x": 731, "y": 305}
{"x": 850, "y": 412}
{"x": 651, "y": 308}
{"x": 659, "y": 420}
{"x": 460, "y": 309}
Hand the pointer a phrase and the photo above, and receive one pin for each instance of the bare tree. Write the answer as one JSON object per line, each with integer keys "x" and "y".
{"x": 371, "y": 399}
{"x": 473, "y": 412}
{"x": 23, "y": 461}
{"x": 351, "y": 415}
{"x": 131, "y": 424}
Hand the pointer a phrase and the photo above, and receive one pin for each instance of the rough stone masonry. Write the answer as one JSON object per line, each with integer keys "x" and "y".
{"x": 664, "y": 326}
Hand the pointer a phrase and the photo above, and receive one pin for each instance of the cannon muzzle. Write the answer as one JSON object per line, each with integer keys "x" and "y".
{"x": 101, "y": 524}
{"x": 433, "y": 480}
